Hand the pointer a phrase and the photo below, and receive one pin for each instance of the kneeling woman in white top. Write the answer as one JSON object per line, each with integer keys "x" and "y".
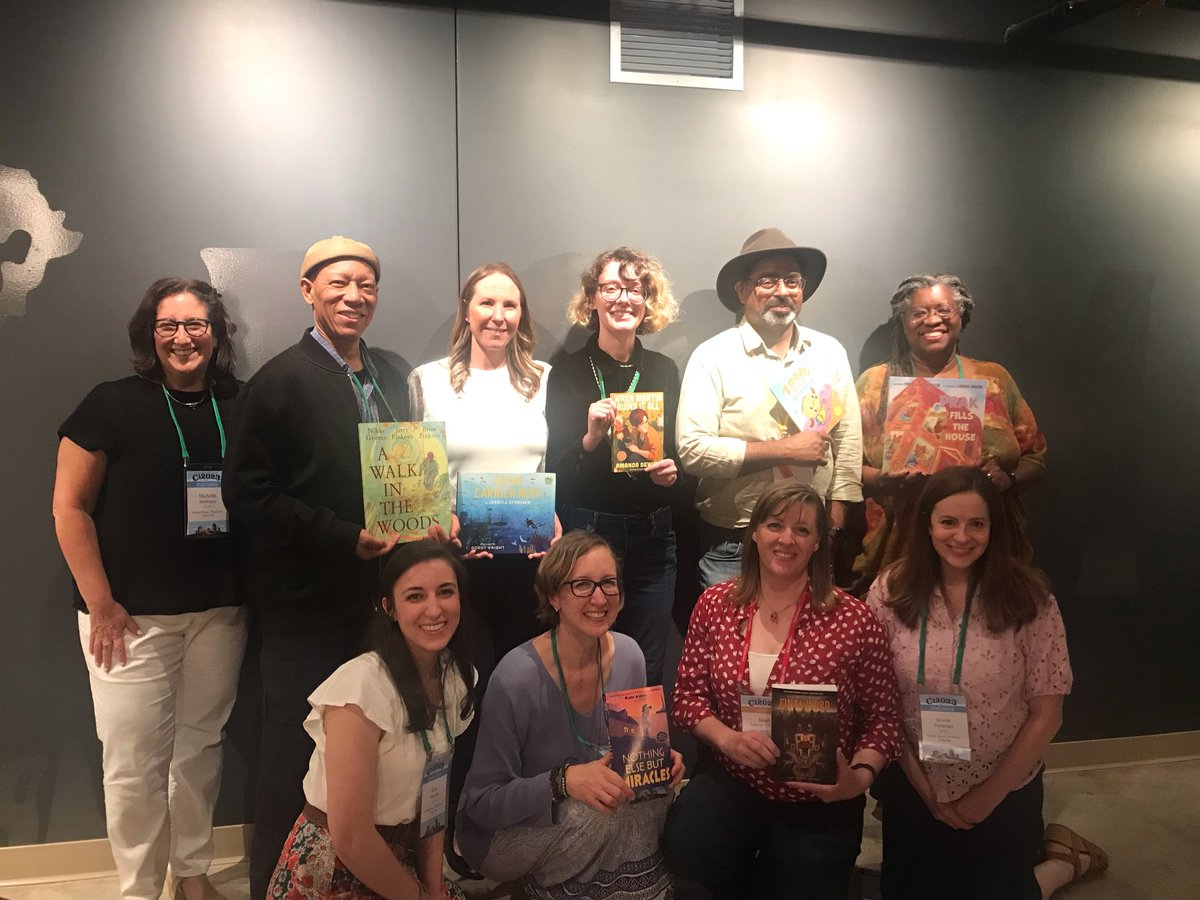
{"x": 384, "y": 725}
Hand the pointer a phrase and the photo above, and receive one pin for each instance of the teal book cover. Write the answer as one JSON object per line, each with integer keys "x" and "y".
{"x": 505, "y": 513}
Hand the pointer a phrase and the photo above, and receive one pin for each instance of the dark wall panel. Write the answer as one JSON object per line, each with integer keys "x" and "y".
{"x": 209, "y": 139}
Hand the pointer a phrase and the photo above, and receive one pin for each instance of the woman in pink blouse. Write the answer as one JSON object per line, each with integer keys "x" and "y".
{"x": 735, "y": 830}
{"x": 971, "y": 625}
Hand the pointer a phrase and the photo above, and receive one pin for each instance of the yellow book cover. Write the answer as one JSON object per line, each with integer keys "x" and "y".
{"x": 405, "y": 485}
{"x": 637, "y": 431}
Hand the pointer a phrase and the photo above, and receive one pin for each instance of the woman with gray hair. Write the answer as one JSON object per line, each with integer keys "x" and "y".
{"x": 929, "y": 312}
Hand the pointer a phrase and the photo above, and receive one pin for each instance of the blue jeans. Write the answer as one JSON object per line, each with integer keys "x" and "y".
{"x": 645, "y": 546}
{"x": 722, "y": 557}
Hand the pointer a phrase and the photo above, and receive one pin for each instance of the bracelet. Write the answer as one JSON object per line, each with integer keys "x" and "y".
{"x": 558, "y": 782}
{"x": 870, "y": 768}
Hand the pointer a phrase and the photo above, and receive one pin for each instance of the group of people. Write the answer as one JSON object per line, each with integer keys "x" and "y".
{"x": 418, "y": 703}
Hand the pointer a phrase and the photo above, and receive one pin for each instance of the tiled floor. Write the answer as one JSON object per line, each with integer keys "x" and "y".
{"x": 1146, "y": 817}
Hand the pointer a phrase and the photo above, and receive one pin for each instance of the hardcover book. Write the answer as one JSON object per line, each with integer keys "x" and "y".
{"x": 637, "y": 432}
{"x": 506, "y": 513}
{"x": 812, "y": 404}
{"x": 933, "y": 423}
{"x": 638, "y": 738}
{"x": 804, "y": 728}
{"x": 405, "y": 487}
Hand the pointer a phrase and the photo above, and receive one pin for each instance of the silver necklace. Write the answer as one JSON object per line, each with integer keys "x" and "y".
{"x": 190, "y": 405}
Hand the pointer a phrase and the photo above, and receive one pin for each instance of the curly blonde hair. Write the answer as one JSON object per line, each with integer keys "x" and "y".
{"x": 524, "y": 373}
{"x": 661, "y": 306}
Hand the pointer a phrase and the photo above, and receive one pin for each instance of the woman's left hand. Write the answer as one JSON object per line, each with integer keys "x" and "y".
{"x": 553, "y": 538}
{"x": 664, "y": 473}
{"x": 973, "y": 806}
{"x": 676, "y": 768}
{"x": 996, "y": 475}
{"x": 850, "y": 783}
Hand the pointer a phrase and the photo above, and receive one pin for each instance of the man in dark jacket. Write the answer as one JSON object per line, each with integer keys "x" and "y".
{"x": 293, "y": 484}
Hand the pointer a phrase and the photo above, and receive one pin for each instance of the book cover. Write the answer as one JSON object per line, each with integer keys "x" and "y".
{"x": 933, "y": 423}
{"x": 637, "y": 432}
{"x": 804, "y": 728}
{"x": 506, "y": 513}
{"x": 812, "y": 404}
{"x": 638, "y": 738}
{"x": 405, "y": 487}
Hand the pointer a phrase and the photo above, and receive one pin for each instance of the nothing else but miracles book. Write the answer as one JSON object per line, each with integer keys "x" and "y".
{"x": 639, "y": 739}
{"x": 405, "y": 486}
{"x": 804, "y": 728}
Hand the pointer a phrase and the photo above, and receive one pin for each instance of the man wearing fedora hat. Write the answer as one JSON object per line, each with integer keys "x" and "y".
{"x": 293, "y": 485}
{"x": 732, "y": 431}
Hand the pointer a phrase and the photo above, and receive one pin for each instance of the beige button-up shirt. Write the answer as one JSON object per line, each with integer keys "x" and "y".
{"x": 725, "y": 402}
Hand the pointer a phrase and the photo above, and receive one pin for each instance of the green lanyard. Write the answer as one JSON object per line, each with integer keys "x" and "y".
{"x": 958, "y": 359}
{"x": 179, "y": 431}
{"x": 956, "y": 675}
{"x": 562, "y": 686}
{"x": 371, "y": 416}
{"x": 449, "y": 736}
{"x": 599, "y": 376}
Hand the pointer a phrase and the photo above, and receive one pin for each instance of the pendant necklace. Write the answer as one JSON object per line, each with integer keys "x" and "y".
{"x": 774, "y": 614}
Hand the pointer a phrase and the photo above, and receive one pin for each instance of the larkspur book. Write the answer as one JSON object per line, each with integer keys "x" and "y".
{"x": 637, "y": 433}
{"x": 813, "y": 405}
{"x": 405, "y": 485}
{"x": 933, "y": 423}
{"x": 639, "y": 739}
{"x": 804, "y": 728}
{"x": 506, "y": 513}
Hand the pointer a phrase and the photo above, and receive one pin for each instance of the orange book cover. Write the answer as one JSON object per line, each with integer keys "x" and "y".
{"x": 933, "y": 423}
{"x": 637, "y": 432}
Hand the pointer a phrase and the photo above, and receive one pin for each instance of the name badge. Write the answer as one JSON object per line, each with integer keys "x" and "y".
{"x": 944, "y": 736}
{"x": 756, "y": 714}
{"x": 433, "y": 793}
{"x": 206, "y": 516}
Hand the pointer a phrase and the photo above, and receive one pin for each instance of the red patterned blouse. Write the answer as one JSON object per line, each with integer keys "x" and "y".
{"x": 845, "y": 646}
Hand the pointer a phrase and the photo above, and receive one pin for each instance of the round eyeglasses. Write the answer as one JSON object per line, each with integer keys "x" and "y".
{"x": 611, "y": 292}
{"x": 917, "y": 314}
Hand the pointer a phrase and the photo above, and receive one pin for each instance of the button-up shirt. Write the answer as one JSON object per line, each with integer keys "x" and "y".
{"x": 726, "y": 402}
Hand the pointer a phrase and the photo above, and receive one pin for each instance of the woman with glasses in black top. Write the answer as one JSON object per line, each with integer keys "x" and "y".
{"x": 138, "y": 514}
{"x": 624, "y": 293}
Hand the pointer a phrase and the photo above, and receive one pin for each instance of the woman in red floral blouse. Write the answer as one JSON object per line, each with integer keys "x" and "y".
{"x": 735, "y": 830}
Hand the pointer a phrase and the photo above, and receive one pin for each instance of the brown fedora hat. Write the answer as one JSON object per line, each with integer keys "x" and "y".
{"x": 769, "y": 242}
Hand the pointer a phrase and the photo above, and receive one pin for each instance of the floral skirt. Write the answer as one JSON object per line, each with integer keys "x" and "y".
{"x": 309, "y": 869}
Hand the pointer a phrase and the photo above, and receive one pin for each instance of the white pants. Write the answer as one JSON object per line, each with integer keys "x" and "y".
{"x": 160, "y": 718}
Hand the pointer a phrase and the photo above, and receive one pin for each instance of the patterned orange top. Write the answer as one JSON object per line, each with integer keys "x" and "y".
{"x": 1010, "y": 433}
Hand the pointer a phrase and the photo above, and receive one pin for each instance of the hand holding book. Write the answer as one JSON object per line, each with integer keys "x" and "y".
{"x": 850, "y": 782}
{"x": 597, "y": 785}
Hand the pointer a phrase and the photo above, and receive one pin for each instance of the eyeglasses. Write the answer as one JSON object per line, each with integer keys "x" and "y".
{"x": 168, "y": 327}
{"x": 793, "y": 281}
{"x": 611, "y": 291}
{"x": 585, "y": 587}
{"x": 917, "y": 314}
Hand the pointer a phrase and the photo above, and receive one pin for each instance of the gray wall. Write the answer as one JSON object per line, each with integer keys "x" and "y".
{"x": 218, "y": 139}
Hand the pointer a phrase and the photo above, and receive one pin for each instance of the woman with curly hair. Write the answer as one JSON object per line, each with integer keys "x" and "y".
{"x": 929, "y": 313}
{"x": 624, "y": 293}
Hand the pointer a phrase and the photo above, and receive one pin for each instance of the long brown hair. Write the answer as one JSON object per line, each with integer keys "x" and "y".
{"x": 523, "y": 372}
{"x": 774, "y": 501}
{"x": 1008, "y": 591}
{"x": 141, "y": 328}
{"x": 384, "y": 637}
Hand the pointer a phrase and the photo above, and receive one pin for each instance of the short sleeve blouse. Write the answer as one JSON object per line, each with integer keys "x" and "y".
{"x": 1000, "y": 673}
{"x": 365, "y": 682}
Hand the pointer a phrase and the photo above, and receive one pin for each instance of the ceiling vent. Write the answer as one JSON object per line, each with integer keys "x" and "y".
{"x": 685, "y": 43}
